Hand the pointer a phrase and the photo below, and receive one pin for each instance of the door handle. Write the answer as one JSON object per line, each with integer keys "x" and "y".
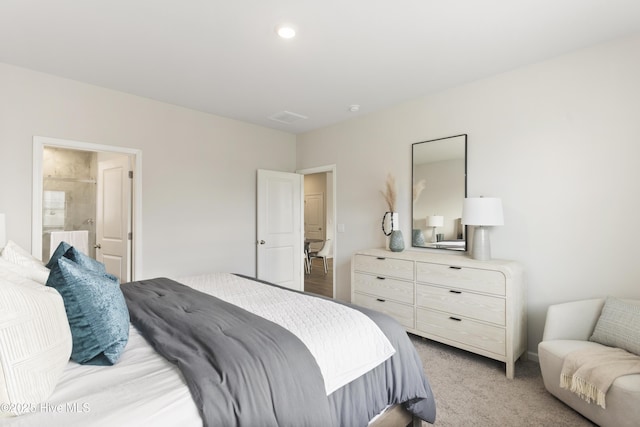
{"x": 262, "y": 242}
{"x": 98, "y": 246}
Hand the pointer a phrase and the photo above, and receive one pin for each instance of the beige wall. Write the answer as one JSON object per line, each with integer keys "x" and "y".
{"x": 558, "y": 141}
{"x": 198, "y": 170}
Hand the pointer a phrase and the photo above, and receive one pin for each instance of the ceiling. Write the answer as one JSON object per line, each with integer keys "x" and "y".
{"x": 223, "y": 57}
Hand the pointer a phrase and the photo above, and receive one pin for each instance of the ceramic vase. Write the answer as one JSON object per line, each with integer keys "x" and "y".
{"x": 417, "y": 237}
{"x": 396, "y": 239}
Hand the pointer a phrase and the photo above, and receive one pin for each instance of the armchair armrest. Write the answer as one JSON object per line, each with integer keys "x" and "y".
{"x": 572, "y": 320}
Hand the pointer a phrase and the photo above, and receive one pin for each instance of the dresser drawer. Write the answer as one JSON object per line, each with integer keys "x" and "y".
{"x": 476, "y": 306}
{"x": 474, "y": 279}
{"x": 402, "y": 313}
{"x": 384, "y": 287}
{"x": 462, "y": 330}
{"x": 387, "y": 267}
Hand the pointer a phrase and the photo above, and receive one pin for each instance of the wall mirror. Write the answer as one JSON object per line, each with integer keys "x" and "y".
{"x": 439, "y": 188}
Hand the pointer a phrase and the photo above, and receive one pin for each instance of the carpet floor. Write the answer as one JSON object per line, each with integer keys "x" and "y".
{"x": 472, "y": 390}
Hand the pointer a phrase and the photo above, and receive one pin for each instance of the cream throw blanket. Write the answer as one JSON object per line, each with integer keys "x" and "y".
{"x": 589, "y": 372}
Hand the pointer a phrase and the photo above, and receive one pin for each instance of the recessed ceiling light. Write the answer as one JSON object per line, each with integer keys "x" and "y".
{"x": 354, "y": 108}
{"x": 286, "y": 31}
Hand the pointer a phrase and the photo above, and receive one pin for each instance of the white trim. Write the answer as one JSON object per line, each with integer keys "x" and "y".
{"x": 36, "y": 220}
{"x": 332, "y": 169}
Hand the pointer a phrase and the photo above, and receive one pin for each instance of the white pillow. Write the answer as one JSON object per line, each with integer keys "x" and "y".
{"x": 35, "y": 343}
{"x": 12, "y": 252}
{"x": 39, "y": 275}
{"x": 8, "y": 273}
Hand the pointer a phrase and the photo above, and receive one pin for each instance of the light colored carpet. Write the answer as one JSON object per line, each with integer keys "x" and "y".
{"x": 472, "y": 390}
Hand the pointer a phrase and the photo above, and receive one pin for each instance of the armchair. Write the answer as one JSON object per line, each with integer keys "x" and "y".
{"x": 568, "y": 327}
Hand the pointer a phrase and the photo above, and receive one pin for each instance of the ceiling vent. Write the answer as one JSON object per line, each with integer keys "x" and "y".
{"x": 287, "y": 117}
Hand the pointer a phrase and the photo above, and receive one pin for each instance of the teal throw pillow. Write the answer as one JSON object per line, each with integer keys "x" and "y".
{"x": 87, "y": 262}
{"x": 60, "y": 250}
{"x": 96, "y": 310}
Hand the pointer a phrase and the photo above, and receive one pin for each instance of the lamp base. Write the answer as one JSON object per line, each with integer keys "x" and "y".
{"x": 481, "y": 249}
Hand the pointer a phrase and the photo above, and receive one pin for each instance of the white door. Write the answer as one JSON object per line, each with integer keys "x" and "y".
{"x": 112, "y": 224}
{"x": 314, "y": 227}
{"x": 279, "y": 229}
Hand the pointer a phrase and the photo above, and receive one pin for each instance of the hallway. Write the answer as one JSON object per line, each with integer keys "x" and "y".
{"x": 318, "y": 282}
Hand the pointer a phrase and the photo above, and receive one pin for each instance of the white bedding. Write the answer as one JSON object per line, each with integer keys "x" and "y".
{"x": 345, "y": 343}
{"x": 143, "y": 388}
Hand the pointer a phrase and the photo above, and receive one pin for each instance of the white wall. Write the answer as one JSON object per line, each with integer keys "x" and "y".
{"x": 558, "y": 141}
{"x": 198, "y": 170}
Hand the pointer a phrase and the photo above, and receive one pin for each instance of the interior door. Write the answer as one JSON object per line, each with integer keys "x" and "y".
{"x": 314, "y": 227}
{"x": 314, "y": 220}
{"x": 113, "y": 213}
{"x": 279, "y": 228}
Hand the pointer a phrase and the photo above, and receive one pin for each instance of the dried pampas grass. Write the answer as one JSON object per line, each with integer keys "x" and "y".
{"x": 390, "y": 194}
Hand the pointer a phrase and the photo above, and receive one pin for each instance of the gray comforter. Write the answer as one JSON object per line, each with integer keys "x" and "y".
{"x": 243, "y": 370}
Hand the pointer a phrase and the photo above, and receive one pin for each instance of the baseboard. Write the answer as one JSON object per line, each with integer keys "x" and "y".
{"x": 533, "y": 356}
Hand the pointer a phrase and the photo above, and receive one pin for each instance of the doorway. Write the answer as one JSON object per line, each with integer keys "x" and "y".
{"x": 88, "y": 195}
{"x": 319, "y": 227}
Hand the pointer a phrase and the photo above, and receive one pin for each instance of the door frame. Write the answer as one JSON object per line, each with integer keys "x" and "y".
{"x": 39, "y": 142}
{"x": 320, "y": 169}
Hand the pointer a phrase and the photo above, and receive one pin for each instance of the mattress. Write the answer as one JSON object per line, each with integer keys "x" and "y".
{"x": 143, "y": 388}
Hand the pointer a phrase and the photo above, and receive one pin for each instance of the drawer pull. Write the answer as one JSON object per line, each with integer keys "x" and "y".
{"x": 380, "y": 277}
{"x": 456, "y": 319}
{"x": 455, "y": 292}
{"x": 381, "y": 258}
{"x": 381, "y": 300}
{"x": 455, "y": 268}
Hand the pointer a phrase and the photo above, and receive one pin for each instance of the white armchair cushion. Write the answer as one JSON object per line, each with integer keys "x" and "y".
{"x": 619, "y": 325}
{"x": 623, "y": 397}
{"x": 572, "y": 320}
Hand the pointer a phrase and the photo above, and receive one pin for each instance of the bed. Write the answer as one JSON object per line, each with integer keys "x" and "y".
{"x": 259, "y": 368}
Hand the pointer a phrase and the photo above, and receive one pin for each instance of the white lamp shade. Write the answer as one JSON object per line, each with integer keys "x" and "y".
{"x": 3, "y": 231}
{"x": 435, "y": 221}
{"x": 482, "y": 211}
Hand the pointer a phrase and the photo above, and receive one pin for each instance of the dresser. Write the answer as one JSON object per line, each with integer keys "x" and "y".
{"x": 478, "y": 306}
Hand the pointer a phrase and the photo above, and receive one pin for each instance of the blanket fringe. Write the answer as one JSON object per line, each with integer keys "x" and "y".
{"x": 587, "y": 391}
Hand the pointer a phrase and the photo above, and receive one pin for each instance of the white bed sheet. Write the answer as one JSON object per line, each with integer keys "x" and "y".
{"x": 142, "y": 389}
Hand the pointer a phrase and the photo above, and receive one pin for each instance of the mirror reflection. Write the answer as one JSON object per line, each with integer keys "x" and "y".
{"x": 439, "y": 188}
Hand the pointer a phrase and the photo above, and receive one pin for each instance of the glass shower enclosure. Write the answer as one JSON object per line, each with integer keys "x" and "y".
{"x": 69, "y": 199}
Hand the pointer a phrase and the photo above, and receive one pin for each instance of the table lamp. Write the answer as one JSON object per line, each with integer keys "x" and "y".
{"x": 482, "y": 212}
{"x": 434, "y": 221}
